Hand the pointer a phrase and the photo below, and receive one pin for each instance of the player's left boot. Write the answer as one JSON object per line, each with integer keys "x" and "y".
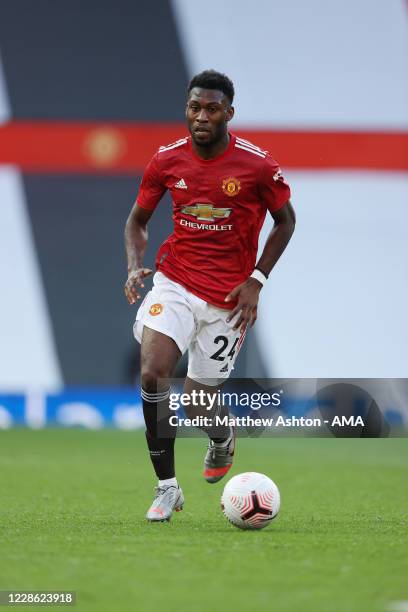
{"x": 166, "y": 500}
{"x": 219, "y": 457}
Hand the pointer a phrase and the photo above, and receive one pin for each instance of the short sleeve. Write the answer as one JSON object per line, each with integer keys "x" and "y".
{"x": 273, "y": 188}
{"x": 151, "y": 188}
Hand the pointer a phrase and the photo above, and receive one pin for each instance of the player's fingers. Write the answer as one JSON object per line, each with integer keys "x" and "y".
{"x": 131, "y": 293}
{"x": 136, "y": 279}
{"x": 231, "y": 296}
{"x": 129, "y": 296}
{"x": 233, "y": 313}
{"x": 254, "y": 316}
{"x": 245, "y": 319}
{"x": 238, "y": 323}
{"x": 143, "y": 273}
{"x": 133, "y": 283}
{"x": 242, "y": 319}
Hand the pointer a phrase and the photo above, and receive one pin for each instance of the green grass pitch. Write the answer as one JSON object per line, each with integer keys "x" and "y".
{"x": 72, "y": 506}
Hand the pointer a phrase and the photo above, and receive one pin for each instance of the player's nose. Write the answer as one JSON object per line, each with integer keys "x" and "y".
{"x": 202, "y": 116}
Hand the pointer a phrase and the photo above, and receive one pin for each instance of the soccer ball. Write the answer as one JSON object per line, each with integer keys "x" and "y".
{"x": 250, "y": 500}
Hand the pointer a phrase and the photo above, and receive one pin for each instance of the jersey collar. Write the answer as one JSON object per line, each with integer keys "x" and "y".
{"x": 227, "y": 151}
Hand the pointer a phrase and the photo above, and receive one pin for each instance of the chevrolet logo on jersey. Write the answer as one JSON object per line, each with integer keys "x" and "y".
{"x": 206, "y": 212}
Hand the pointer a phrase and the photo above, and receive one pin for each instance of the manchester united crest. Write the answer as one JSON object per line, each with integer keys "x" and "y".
{"x": 231, "y": 186}
{"x": 156, "y": 309}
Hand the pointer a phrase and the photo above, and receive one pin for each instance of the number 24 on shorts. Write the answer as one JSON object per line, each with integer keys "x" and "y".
{"x": 223, "y": 340}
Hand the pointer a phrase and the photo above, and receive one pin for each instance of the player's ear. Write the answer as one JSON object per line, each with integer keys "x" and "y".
{"x": 230, "y": 113}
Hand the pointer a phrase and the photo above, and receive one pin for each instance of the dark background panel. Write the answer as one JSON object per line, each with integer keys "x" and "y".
{"x": 78, "y": 225}
{"x": 98, "y": 59}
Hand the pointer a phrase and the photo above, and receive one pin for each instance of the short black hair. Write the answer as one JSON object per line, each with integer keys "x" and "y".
{"x": 211, "y": 79}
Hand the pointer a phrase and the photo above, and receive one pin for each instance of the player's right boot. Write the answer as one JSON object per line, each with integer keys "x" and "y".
{"x": 219, "y": 457}
{"x": 166, "y": 500}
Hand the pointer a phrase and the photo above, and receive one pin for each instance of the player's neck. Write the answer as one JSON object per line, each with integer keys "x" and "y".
{"x": 214, "y": 150}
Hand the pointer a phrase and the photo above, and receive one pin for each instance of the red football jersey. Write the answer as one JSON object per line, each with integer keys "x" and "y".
{"x": 219, "y": 207}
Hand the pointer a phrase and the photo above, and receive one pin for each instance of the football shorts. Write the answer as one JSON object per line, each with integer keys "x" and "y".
{"x": 194, "y": 325}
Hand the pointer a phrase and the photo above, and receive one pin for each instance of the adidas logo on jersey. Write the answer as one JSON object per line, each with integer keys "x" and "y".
{"x": 181, "y": 184}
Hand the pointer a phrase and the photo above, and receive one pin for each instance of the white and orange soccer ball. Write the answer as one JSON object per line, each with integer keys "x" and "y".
{"x": 250, "y": 500}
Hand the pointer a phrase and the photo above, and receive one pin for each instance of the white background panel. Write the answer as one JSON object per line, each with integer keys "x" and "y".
{"x": 306, "y": 64}
{"x": 27, "y": 353}
{"x": 337, "y": 302}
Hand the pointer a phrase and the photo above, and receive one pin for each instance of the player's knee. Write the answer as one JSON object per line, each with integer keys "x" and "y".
{"x": 154, "y": 378}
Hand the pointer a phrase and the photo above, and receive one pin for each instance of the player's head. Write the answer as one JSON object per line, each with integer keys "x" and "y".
{"x": 209, "y": 107}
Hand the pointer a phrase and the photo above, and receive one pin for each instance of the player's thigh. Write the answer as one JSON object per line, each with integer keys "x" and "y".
{"x": 165, "y": 310}
{"x": 159, "y": 355}
{"x": 214, "y": 351}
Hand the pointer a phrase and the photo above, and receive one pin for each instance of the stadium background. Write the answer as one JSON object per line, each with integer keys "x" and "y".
{"x": 87, "y": 92}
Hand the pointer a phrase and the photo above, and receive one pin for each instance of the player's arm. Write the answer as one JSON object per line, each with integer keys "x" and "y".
{"x": 284, "y": 226}
{"x": 135, "y": 244}
{"x": 247, "y": 293}
{"x": 150, "y": 193}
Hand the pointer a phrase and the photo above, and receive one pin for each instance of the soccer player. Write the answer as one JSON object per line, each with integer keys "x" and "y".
{"x": 207, "y": 285}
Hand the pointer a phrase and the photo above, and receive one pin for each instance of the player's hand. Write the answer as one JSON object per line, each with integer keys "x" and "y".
{"x": 247, "y": 294}
{"x": 135, "y": 280}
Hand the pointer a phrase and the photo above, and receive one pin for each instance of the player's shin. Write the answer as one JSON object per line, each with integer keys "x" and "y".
{"x": 220, "y": 430}
{"x": 160, "y": 434}
{"x": 216, "y": 424}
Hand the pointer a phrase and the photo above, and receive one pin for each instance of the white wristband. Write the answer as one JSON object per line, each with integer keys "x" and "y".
{"x": 257, "y": 274}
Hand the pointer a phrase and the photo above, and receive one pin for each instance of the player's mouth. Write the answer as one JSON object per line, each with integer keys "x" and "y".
{"x": 201, "y": 130}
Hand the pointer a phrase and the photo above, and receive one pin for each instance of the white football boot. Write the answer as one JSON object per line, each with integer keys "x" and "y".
{"x": 167, "y": 499}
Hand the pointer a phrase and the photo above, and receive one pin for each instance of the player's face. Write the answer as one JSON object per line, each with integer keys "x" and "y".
{"x": 208, "y": 112}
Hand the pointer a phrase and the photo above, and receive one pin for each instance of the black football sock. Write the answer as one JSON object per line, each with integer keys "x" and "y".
{"x": 220, "y": 433}
{"x": 160, "y": 435}
{"x": 162, "y": 456}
